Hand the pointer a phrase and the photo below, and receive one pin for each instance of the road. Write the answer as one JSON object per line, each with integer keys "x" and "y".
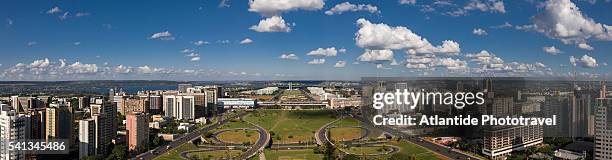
{"x": 262, "y": 142}
{"x": 183, "y": 139}
{"x": 445, "y": 151}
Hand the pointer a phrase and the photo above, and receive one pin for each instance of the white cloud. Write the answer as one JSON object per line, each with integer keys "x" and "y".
{"x": 187, "y": 50}
{"x": 384, "y": 37}
{"x": 224, "y": 4}
{"x": 346, "y": 6}
{"x": 82, "y": 14}
{"x": 200, "y": 42}
{"x": 76, "y": 43}
{"x": 585, "y": 61}
{"x": 585, "y": 46}
{"x": 81, "y": 68}
{"x": 540, "y": 64}
{"x": 54, "y": 10}
{"x": 223, "y": 41}
{"x": 246, "y": 41}
{"x": 64, "y": 16}
{"x": 123, "y": 69}
{"x": 31, "y": 43}
{"x": 563, "y": 20}
{"x": 376, "y": 56}
{"x": 272, "y": 24}
{"x": 407, "y": 1}
{"x": 162, "y": 36}
{"x": 289, "y": 56}
{"x": 486, "y": 6}
{"x": 486, "y": 59}
{"x": 450, "y": 64}
{"x": 275, "y": 7}
{"x": 552, "y": 50}
{"x": 194, "y": 59}
{"x": 148, "y": 70}
{"x": 340, "y": 64}
{"x": 479, "y": 31}
{"x": 602, "y": 64}
{"x": 317, "y": 61}
{"x": 192, "y": 54}
{"x": 501, "y": 26}
{"x": 9, "y": 21}
{"x": 327, "y": 52}
{"x": 342, "y": 50}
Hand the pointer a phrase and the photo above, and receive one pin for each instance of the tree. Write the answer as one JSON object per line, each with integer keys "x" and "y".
{"x": 119, "y": 152}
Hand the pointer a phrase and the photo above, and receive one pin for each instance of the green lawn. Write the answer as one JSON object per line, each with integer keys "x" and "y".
{"x": 216, "y": 154}
{"x": 364, "y": 150}
{"x": 239, "y": 136}
{"x": 291, "y": 126}
{"x": 175, "y": 153}
{"x": 348, "y": 121}
{"x": 345, "y": 134}
{"x": 306, "y": 154}
{"x": 416, "y": 151}
{"x": 234, "y": 123}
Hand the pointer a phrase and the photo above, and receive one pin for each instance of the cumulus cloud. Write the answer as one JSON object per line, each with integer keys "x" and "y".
{"x": 289, "y": 56}
{"x": 585, "y": 46}
{"x": 317, "y": 61}
{"x": 246, "y": 41}
{"x": 407, "y": 1}
{"x": 346, "y": 7}
{"x": 384, "y": 37}
{"x": 450, "y": 64}
{"x": 194, "y": 59}
{"x": 54, "y": 10}
{"x": 200, "y": 42}
{"x": 272, "y": 24}
{"x": 327, "y": 52}
{"x": 552, "y": 50}
{"x": 340, "y": 64}
{"x": 275, "y": 7}
{"x": 563, "y": 20}
{"x": 486, "y": 6}
{"x": 376, "y": 56}
{"x": 585, "y": 61}
{"x": 31, "y": 43}
{"x": 479, "y": 31}
{"x": 501, "y": 26}
{"x": 162, "y": 36}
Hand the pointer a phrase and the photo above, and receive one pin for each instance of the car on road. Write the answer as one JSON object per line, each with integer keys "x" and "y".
{"x": 168, "y": 147}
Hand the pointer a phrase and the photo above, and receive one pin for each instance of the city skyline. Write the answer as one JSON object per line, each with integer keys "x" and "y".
{"x": 302, "y": 39}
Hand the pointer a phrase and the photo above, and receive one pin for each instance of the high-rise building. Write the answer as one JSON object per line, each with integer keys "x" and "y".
{"x": 179, "y": 107}
{"x": 59, "y": 122}
{"x": 13, "y": 127}
{"x": 182, "y": 88}
{"x": 137, "y": 130}
{"x": 83, "y": 102}
{"x": 499, "y": 141}
{"x": 155, "y": 104}
{"x": 38, "y": 118}
{"x": 87, "y": 138}
{"x": 104, "y": 115}
{"x": 603, "y": 129}
{"x": 135, "y": 104}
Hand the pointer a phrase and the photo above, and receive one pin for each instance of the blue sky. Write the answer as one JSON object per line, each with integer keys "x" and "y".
{"x": 115, "y": 39}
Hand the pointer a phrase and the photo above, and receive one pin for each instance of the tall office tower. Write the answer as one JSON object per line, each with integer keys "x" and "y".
{"x": 179, "y": 107}
{"x": 603, "y": 129}
{"x": 135, "y": 104}
{"x": 602, "y": 90}
{"x": 104, "y": 114}
{"x": 401, "y": 108}
{"x": 119, "y": 100}
{"x": 499, "y": 141}
{"x": 38, "y": 119}
{"x": 558, "y": 106}
{"x": 581, "y": 123}
{"x": 111, "y": 93}
{"x": 200, "y": 104}
{"x": 83, "y": 102}
{"x": 137, "y": 130}
{"x": 182, "y": 88}
{"x": 498, "y": 106}
{"x": 59, "y": 122}
{"x": 14, "y": 127}
{"x": 155, "y": 104}
{"x": 87, "y": 138}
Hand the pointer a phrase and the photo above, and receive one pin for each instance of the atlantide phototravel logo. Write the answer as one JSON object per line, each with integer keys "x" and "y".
{"x": 458, "y": 100}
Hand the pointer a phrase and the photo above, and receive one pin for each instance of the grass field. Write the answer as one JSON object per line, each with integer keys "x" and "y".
{"x": 216, "y": 154}
{"x": 306, "y": 154}
{"x": 345, "y": 134}
{"x": 234, "y": 123}
{"x": 239, "y": 136}
{"x": 348, "y": 121}
{"x": 364, "y": 150}
{"x": 291, "y": 126}
{"x": 175, "y": 153}
{"x": 417, "y": 151}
